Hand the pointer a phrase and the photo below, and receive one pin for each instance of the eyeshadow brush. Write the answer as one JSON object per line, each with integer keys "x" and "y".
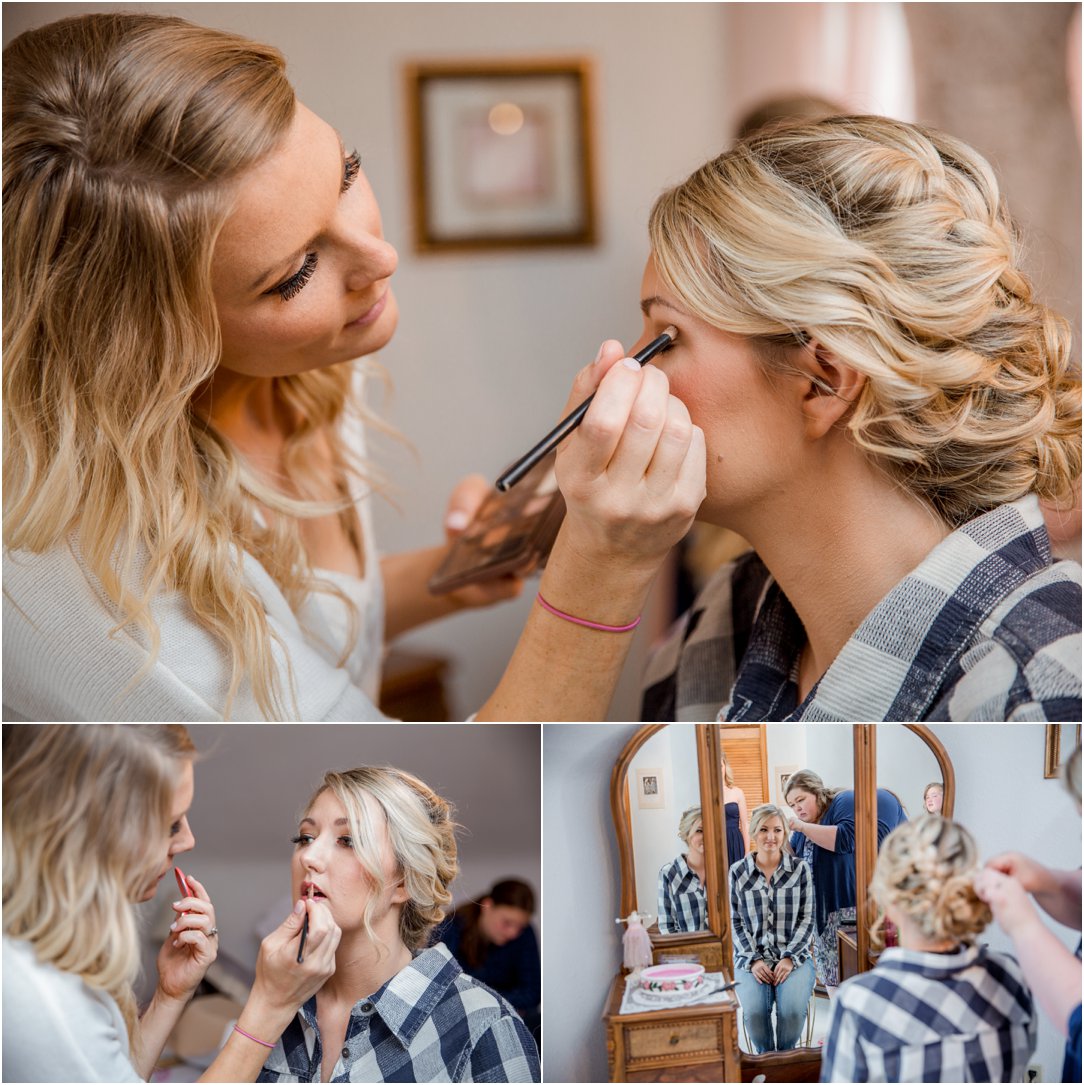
{"x": 513, "y": 474}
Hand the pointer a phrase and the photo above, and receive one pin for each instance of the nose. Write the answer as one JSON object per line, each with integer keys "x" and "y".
{"x": 183, "y": 839}
{"x": 371, "y": 259}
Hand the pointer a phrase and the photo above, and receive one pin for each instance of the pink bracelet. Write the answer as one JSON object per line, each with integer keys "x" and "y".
{"x": 249, "y": 1036}
{"x": 584, "y": 622}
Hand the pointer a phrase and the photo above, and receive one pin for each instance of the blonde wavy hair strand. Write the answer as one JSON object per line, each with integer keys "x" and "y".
{"x": 86, "y": 828}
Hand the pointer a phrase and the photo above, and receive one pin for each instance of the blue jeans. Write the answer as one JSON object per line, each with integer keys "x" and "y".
{"x": 790, "y": 999}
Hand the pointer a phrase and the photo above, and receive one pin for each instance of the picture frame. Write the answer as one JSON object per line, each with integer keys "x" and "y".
{"x": 782, "y": 774}
{"x": 1061, "y": 740}
{"x": 650, "y": 792}
{"x": 501, "y": 154}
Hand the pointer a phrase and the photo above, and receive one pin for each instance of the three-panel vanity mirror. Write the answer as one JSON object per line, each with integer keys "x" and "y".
{"x": 666, "y": 769}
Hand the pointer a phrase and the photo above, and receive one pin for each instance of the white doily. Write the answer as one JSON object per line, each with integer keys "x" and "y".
{"x": 637, "y": 1000}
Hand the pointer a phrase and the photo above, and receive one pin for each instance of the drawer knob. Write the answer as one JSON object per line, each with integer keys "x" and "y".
{"x": 674, "y": 1039}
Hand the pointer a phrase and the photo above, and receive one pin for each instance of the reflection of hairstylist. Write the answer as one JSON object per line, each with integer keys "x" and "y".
{"x": 1050, "y": 969}
{"x": 93, "y": 817}
{"x": 771, "y": 908}
{"x": 938, "y": 1007}
{"x": 683, "y": 904}
{"x": 494, "y": 942}
{"x": 823, "y": 826}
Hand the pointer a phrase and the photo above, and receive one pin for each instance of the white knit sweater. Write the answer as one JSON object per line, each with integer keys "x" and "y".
{"x": 62, "y": 660}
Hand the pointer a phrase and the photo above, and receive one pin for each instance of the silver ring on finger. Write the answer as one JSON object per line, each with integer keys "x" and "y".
{"x": 212, "y": 932}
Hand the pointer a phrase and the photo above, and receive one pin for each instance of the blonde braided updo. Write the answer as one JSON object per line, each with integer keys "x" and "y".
{"x": 890, "y": 246}
{"x": 925, "y": 870}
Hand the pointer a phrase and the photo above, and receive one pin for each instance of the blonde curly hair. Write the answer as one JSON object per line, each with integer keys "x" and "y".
{"x": 421, "y": 831}
{"x": 926, "y": 869}
{"x": 889, "y": 245}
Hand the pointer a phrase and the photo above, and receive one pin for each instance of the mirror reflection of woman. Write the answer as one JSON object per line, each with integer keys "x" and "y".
{"x": 683, "y": 903}
{"x": 937, "y": 1007}
{"x": 934, "y": 797}
{"x": 377, "y": 848}
{"x": 771, "y": 912}
{"x": 737, "y": 816}
{"x": 823, "y": 826}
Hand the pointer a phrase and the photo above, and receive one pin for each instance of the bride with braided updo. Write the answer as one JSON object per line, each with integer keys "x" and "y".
{"x": 938, "y": 1007}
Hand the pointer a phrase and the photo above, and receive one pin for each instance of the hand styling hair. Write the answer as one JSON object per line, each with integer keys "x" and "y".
{"x": 889, "y": 245}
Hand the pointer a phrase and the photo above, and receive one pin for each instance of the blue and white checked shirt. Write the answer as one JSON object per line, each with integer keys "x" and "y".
{"x": 985, "y": 628}
{"x": 963, "y": 1016}
{"x": 429, "y": 1022}
{"x": 771, "y": 920}
{"x": 683, "y": 904}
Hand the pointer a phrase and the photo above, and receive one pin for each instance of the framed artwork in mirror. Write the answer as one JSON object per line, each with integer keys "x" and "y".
{"x": 649, "y": 789}
{"x": 501, "y": 154}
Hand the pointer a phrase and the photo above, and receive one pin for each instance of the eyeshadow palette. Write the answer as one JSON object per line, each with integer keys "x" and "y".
{"x": 512, "y": 532}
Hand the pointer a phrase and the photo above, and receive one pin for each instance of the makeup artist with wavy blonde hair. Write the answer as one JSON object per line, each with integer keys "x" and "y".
{"x": 884, "y": 400}
{"x": 193, "y": 262}
{"x": 93, "y": 818}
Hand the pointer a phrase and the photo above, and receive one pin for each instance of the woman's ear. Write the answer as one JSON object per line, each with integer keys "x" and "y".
{"x": 831, "y": 387}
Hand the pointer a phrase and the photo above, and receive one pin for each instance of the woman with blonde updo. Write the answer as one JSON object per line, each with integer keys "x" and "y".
{"x": 195, "y": 273}
{"x": 683, "y": 901}
{"x": 93, "y": 819}
{"x": 884, "y": 402}
{"x": 938, "y": 1007}
{"x": 376, "y": 849}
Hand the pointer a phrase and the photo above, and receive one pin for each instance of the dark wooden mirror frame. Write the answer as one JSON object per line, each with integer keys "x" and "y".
{"x": 714, "y": 947}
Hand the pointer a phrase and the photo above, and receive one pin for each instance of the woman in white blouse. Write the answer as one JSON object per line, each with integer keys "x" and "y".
{"x": 93, "y": 817}
{"x": 193, "y": 263}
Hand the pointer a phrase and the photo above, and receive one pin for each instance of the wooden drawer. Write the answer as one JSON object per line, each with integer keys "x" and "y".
{"x": 683, "y": 1039}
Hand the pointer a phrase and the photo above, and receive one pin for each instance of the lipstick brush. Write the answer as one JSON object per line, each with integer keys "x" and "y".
{"x": 304, "y": 933}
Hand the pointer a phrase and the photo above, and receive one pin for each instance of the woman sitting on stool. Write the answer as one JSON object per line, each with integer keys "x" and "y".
{"x": 771, "y": 908}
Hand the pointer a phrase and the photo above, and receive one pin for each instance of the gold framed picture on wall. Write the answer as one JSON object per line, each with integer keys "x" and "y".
{"x": 501, "y": 154}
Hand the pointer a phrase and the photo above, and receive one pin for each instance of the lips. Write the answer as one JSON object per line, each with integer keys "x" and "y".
{"x": 317, "y": 892}
{"x": 371, "y": 314}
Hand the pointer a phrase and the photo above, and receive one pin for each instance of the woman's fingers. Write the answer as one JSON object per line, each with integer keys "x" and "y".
{"x": 596, "y": 440}
{"x": 587, "y": 380}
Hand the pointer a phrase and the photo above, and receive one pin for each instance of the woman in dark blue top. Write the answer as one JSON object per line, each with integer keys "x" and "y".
{"x": 494, "y": 942}
{"x": 737, "y": 817}
{"x": 823, "y": 827}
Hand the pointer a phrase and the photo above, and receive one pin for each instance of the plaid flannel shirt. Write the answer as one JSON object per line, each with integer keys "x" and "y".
{"x": 771, "y": 920}
{"x": 683, "y": 904}
{"x": 429, "y": 1022}
{"x": 963, "y": 1016}
{"x": 986, "y": 628}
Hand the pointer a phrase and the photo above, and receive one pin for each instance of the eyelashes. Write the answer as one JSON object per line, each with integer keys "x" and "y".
{"x": 296, "y": 282}
{"x": 292, "y": 286}
{"x": 351, "y": 169}
{"x": 304, "y": 839}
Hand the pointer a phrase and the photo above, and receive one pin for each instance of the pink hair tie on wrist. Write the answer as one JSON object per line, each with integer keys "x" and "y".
{"x": 249, "y": 1036}
{"x": 584, "y": 622}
